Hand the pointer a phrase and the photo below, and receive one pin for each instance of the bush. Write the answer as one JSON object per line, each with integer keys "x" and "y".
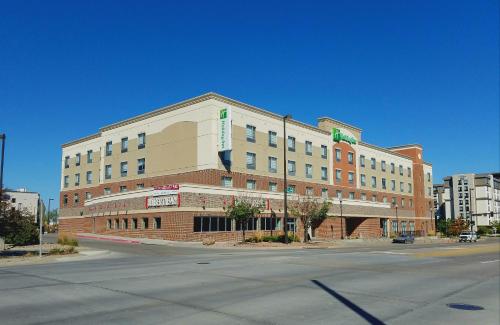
{"x": 68, "y": 241}
{"x": 484, "y": 230}
{"x": 62, "y": 250}
{"x": 17, "y": 227}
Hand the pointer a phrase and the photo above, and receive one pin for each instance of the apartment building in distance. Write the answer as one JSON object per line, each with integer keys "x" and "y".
{"x": 172, "y": 173}
{"x": 467, "y": 196}
{"x": 24, "y": 200}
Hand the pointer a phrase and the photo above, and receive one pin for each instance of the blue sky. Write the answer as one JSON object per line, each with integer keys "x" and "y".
{"x": 405, "y": 72}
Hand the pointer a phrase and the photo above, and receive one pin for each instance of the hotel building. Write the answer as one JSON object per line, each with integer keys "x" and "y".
{"x": 171, "y": 173}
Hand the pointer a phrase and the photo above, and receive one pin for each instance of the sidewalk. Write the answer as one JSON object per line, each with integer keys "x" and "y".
{"x": 134, "y": 240}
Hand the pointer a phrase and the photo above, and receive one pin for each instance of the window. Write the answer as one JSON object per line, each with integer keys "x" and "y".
{"x": 324, "y": 151}
{"x": 89, "y": 177}
{"x": 350, "y": 177}
{"x": 393, "y": 185}
{"x": 206, "y": 224}
{"x": 400, "y": 170}
{"x": 291, "y": 168}
{"x": 227, "y": 181}
{"x": 141, "y": 140}
{"x": 108, "y": 224}
{"x": 145, "y": 223}
{"x": 123, "y": 168}
{"x": 251, "y": 160}
{"x": 363, "y": 179}
{"x": 291, "y": 143}
{"x": 338, "y": 175}
{"x": 157, "y": 224}
{"x": 273, "y": 139}
{"x": 251, "y": 184}
{"x": 65, "y": 200}
{"x": 309, "y": 148}
{"x": 250, "y": 133}
{"x": 362, "y": 161}
{"x": 409, "y": 188}
{"x": 383, "y": 184}
{"x": 393, "y": 201}
{"x": 350, "y": 158}
{"x": 392, "y": 168}
{"x": 88, "y": 195}
{"x": 134, "y": 223}
{"x": 374, "y": 198}
{"x": 428, "y": 177}
{"x": 123, "y": 188}
{"x": 402, "y": 202}
{"x": 309, "y": 191}
{"x": 273, "y": 187}
{"x": 401, "y": 186}
{"x": 116, "y": 224}
{"x": 363, "y": 196}
{"x": 382, "y": 165}
{"x": 324, "y": 173}
{"x": 78, "y": 159}
{"x": 351, "y": 195}
{"x": 251, "y": 224}
{"x": 338, "y": 154}
{"x": 429, "y": 193}
{"x": 273, "y": 164}
{"x": 309, "y": 171}
{"x": 77, "y": 179}
{"x": 90, "y": 156}
{"x": 125, "y": 224}
{"x": 76, "y": 198}
{"x": 139, "y": 186}
{"x": 107, "y": 172}
{"x": 394, "y": 225}
{"x": 373, "y": 163}
{"x": 141, "y": 166}
{"x": 66, "y": 181}
{"x": 268, "y": 223}
{"x": 408, "y": 172}
{"x": 124, "y": 144}
{"x": 339, "y": 194}
{"x": 374, "y": 181}
{"x": 107, "y": 191}
{"x": 324, "y": 193}
{"x": 291, "y": 189}
{"x": 109, "y": 148}
{"x": 66, "y": 162}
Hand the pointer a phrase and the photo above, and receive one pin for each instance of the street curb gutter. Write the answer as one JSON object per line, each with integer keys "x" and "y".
{"x": 115, "y": 240}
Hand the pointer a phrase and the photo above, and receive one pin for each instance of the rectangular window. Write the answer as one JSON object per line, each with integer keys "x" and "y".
{"x": 409, "y": 188}
{"x": 374, "y": 182}
{"x": 268, "y": 223}
{"x": 363, "y": 179}
{"x": 88, "y": 195}
{"x": 291, "y": 189}
{"x": 251, "y": 184}
{"x": 125, "y": 224}
{"x": 250, "y": 133}
{"x": 145, "y": 223}
{"x": 141, "y": 166}
{"x": 90, "y": 156}
{"x": 338, "y": 154}
{"x": 362, "y": 161}
{"x": 157, "y": 224}
{"x": 324, "y": 193}
{"x": 273, "y": 139}
{"x": 408, "y": 172}
{"x": 123, "y": 188}
{"x": 108, "y": 223}
{"x": 429, "y": 191}
{"x": 350, "y": 158}
{"x": 291, "y": 168}
{"x": 76, "y": 198}
{"x": 77, "y": 179}
{"x": 393, "y": 185}
{"x": 134, "y": 223}
{"x": 374, "y": 198}
{"x": 89, "y": 177}
{"x": 251, "y": 160}
{"x": 141, "y": 140}
{"x": 339, "y": 194}
{"x": 107, "y": 191}
{"x": 107, "y": 172}
{"x": 392, "y": 168}
{"x": 351, "y": 195}
{"x": 324, "y": 173}
{"x": 124, "y": 144}
{"x": 363, "y": 196}
{"x": 66, "y": 181}
{"x": 273, "y": 187}
{"x": 428, "y": 177}
{"x": 373, "y": 163}
{"x": 227, "y": 181}
{"x": 384, "y": 199}
{"x": 350, "y": 177}
{"x": 401, "y": 186}
{"x": 324, "y": 151}
{"x": 382, "y": 165}
{"x": 400, "y": 170}
{"x": 309, "y": 148}
{"x": 273, "y": 164}
{"x": 123, "y": 168}
{"x": 338, "y": 175}
{"x": 402, "y": 202}
{"x": 309, "y": 191}
{"x": 109, "y": 148}
{"x": 309, "y": 171}
{"x": 66, "y": 162}
{"x": 291, "y": 143}
{"x": 393, "y": 201}
{"x": 116, "y": 224}
{"x": 78, "y": 159}
{"x": 139, "y": 186}
{"x": 384, "y": 186}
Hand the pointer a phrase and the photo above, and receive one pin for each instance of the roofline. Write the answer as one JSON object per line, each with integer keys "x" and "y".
{"x": 427, "y": 163}
{"x": 28, "y": 192}
{"x": 406, "y": 146}
{"x": 384, "y": 150}
{"x": 87, "y": 138}
{"x": 339, "y": 122}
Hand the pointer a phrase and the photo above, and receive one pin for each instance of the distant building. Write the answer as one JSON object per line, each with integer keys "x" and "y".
{"x": 475, "y": 196}
{"x": 22, "y": 200}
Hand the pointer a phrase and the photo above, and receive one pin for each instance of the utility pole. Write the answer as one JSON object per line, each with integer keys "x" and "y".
{"x": 341, "y": 221}
{"x": 285, "y": 186}
{"x": 40, "y": 217}
{"x": 2, "y": 137}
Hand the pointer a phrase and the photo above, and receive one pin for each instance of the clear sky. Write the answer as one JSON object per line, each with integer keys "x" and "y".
{"x": 404, "y": 71}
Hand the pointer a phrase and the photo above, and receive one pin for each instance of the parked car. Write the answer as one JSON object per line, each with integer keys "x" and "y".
{"x": 404, "y": 239}
{"x": 467, "y": 236}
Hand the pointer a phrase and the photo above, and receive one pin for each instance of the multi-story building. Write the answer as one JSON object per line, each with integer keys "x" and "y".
{"x": 23, "y": 200}
{"x": 171, "y": 173}
{"x": 467, "y": 196}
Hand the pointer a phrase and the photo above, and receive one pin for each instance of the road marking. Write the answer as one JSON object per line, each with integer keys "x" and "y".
{"x": 469, "y": 250}
{"x": 492, "y": 261}
{"x": 389, "y": 252}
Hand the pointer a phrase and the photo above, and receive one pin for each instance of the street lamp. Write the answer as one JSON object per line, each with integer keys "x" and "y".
{"x": 40, "y": 229}
{"x": 470, "y": 210}
{"x": 285, "y": 186}
{"x": 341, "y": 221}
{"x": 2, "y": 137}
{"x": 395, "y": 205}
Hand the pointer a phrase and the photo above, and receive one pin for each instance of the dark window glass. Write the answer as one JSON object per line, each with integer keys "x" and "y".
{"x": 197, "y": 224}
{"x": 206, "y": 224}
{"x": 213, "y": 224}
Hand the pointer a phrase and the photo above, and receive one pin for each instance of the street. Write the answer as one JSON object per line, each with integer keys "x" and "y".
{"x": 146, "y": 284}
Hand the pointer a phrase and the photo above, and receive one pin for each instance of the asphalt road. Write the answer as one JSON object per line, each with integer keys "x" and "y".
{"x": 145, "y": 284}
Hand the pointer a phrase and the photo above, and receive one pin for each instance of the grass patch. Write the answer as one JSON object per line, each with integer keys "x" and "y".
{"x": 62, "y": 250}
{"x": 68, "y": 241}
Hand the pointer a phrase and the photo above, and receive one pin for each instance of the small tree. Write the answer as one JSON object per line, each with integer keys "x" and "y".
{"x": 17, "y": 227}
{"x": 458, "y": 225}
{"x": 243, "y": 209}
{"x": 309, "y": 210}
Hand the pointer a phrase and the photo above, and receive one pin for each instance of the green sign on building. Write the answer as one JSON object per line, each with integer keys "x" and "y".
{"x": 339, "y": 136}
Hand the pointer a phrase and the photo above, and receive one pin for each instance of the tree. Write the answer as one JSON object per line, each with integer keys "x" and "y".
{"x": 309, "y": 210}
{"x": 457, "y": 226}
{"x": 243, "y": 209}
{"x": 17, "y": 227}
{"x": 444, "y": 225}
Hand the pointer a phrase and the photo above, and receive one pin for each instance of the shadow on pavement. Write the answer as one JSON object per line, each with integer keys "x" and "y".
{"x": 355, "y": 308}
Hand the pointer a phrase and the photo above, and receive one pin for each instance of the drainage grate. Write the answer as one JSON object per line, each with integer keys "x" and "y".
{"x": 203, "y": 263}
{"x": 465, "y": 307}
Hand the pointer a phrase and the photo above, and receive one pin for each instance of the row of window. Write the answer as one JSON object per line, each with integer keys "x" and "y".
{"x": 403, "y": 228}
{"x": 217, "y": 224}
{"x": 273, "y": 142}
{"x": 384, "y": 184}
{"x": 106, "y": 191}
{"x": 141, "y": 144}
{"x": 383, "y": 166}
{"x": 350, "y": 156}
{"x": 123, "y": 224}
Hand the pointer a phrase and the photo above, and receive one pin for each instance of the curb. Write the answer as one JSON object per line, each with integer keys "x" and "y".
{"x": 115, "y": 240}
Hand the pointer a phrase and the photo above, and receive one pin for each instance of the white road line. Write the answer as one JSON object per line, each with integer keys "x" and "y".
{"x": 492, "y": 261}
{"x": 388, "y": 252}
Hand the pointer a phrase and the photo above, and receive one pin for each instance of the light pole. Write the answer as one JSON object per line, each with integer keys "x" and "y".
{"x": 2, "y": 137}
{"x": 285, "y": 186}
{"x": 397, "y": 220}
{"x": 470, "y": 210}
{"x": 40, "y": 228}
{"x": 341, "y": 221}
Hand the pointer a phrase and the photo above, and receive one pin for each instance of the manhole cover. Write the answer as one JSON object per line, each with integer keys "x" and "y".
{"x": 203, "y": 263}
{"x": 465, "y": 307}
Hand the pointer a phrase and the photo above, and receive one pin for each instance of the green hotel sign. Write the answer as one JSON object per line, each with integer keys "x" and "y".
{"x": 339, "y": 136}
{"x": 225, "y": 136}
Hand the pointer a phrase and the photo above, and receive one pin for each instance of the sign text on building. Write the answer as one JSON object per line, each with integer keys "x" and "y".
{"x": 339, "y": 136}
{"x": 166, "y": 190}
{"x": 225, "y": 136}
{"x": 161, "y": 201}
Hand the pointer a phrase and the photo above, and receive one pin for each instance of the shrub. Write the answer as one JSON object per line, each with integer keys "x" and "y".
{"x": 484, "y": 230}
{"x": 17, "y": 227}
{"x": 68, "y": 241}
{"x": 62, "y": 250}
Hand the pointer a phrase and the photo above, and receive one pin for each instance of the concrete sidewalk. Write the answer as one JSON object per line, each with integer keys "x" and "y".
{"x": 133, "y": 240}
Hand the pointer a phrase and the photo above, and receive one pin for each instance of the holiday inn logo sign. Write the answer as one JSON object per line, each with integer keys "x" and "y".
{"x": 225, "y": 137}
{"x": 339, "y": 136}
